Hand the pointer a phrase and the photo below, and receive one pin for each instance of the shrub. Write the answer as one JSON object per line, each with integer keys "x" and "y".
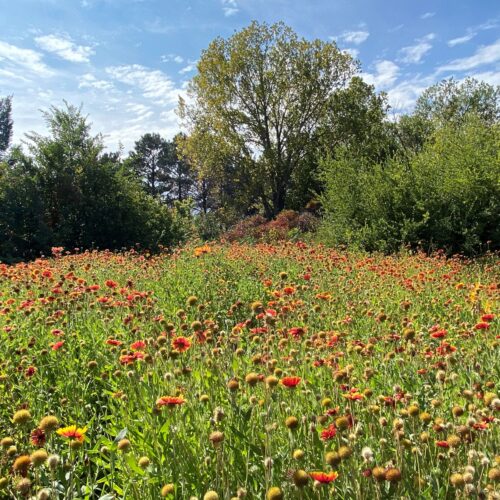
{"x": 447, "y": 196}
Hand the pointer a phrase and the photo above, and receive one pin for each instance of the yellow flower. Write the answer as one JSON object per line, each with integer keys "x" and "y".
{"x": 73, "y": 432}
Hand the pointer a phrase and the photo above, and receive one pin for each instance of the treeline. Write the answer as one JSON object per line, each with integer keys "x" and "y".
{"x": 275, "y": 124}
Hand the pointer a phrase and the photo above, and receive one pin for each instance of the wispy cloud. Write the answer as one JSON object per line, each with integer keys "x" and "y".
{"x": 25, "y": 58}
{"x": 172, "y": 57}
{"x": 427, "y": 15}
{"x": 487, "y": 54}
{"x": 395, "y": 28}
{"x": 90, "y": 81}
{"x": 473, "y": 31}
{"x": 355, "y": 37}
{"x": 354, "y": 53}
{"x": 386, "y": 73}
{"x": 402, "y": 97}
{"x": 65, "y": 48}
{"x": 230, "y": 7}
{"x": 154, "y": 84}
{"x": 414, "y": 53}
{"x": 491, "y": 77}
{"x": 461, "y": 39}
{"x": 190, "y": 67}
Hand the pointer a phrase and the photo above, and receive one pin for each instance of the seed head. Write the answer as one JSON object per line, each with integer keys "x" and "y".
{"x": 39, "y": 457}
{"x": 274, "y": 493}
{"x": 167, "y": 489}
{"x": 211, "y": 495}
{"x": 21, "y": 417}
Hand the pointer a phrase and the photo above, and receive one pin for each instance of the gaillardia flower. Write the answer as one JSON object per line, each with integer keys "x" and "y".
{"x": 73, "y": 432}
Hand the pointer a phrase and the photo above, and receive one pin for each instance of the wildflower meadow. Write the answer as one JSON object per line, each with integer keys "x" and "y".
{"x": 287, "y": 371}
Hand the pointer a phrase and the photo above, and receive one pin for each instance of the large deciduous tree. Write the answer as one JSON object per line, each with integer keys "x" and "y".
{"x": 451, "y": 101}
{"x": 257, "y": 102}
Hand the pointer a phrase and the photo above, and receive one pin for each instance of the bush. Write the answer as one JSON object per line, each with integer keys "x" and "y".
{"x": 447, "y": 196}
{"x": 287, "y": 225}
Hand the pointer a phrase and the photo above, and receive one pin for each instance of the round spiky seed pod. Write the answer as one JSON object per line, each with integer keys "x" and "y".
{"x": 274, "y": 493}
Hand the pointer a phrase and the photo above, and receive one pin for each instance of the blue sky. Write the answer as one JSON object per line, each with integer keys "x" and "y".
{"x": 127, "y": 61}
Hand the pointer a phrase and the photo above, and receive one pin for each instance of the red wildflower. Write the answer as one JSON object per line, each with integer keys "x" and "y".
{"x": 57, "y": 345}
{"x": 138, "y": 346}
{"x": 332, "y": 411}
{"x": 488, "y": 318}
{"x": 482, "y": 326}
{"x": 296, "y": 331}
{"x": 111, "y": 284}
{"x": 442, "y": 444}
{"x": 181, "y": 344}
{"x": 114, "y": 342}
{"x": 439, "y": 334}
{"x": 329, "y": 433}
{"x": 57, "y": 332}
{"x": 30, "y": 371}
{"x": 170, "y": 401}
{"x": 480, "y": 426}
{"x": 389, "y": 401}
{"x": 290, "y": 381}
{"x": 353, "y": 395}
{"x": 38, "y": 437}
{"x": 324, "y": 477}
{"x": 128, "y": 359}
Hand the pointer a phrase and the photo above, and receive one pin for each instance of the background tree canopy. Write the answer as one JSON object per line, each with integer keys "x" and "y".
{"x": 258, "y": 100}
{"x": 282, "y": 135}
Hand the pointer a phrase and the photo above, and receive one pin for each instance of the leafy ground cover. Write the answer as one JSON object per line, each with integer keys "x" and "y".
{"x": 255, "y": 371}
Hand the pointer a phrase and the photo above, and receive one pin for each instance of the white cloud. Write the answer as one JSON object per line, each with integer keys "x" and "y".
{"x": 141, "y": 111}
{"x": 26, "y": 58}
{"x": 230, "y": 7}
{"x": 396, "y": 28}
{"x": 172, "y": 57}
{"x": 11, "y": 75}
{"x": 65, "y": 48}
{"x": 154, "y": 83}
{"x": 491, "y": 77}
{"x": 461, "y": 39}
{"x": 354, "y": 53}
{"x": 403, "y": 96}
{"x": 427, "y": 15}
{"x": 355, "y": 37}
{"x": 190, "y": 67}
{"x": 414, "y": 53}
{"x": 90, "y": 81}
{"x": 386, "y": 73}
{"x": 472, "y": 31}
{"x": 486, "y": 54}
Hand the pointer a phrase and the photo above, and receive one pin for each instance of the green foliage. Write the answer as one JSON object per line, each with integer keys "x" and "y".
{"x": 150, "y": 161}
{"x": 452, "y": 101}
{"x": 447, "y": 196}
{"x": 257, "y": 101}
{"x": 5, "y": 124}
{"x": 356, "y": 120}
{"x": 68, "y": 193}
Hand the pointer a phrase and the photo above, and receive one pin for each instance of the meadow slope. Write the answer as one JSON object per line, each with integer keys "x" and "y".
{"x": 257, "y": 371}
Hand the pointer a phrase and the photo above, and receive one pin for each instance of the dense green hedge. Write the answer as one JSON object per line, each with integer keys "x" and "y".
{"x": 445, "y": 196}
